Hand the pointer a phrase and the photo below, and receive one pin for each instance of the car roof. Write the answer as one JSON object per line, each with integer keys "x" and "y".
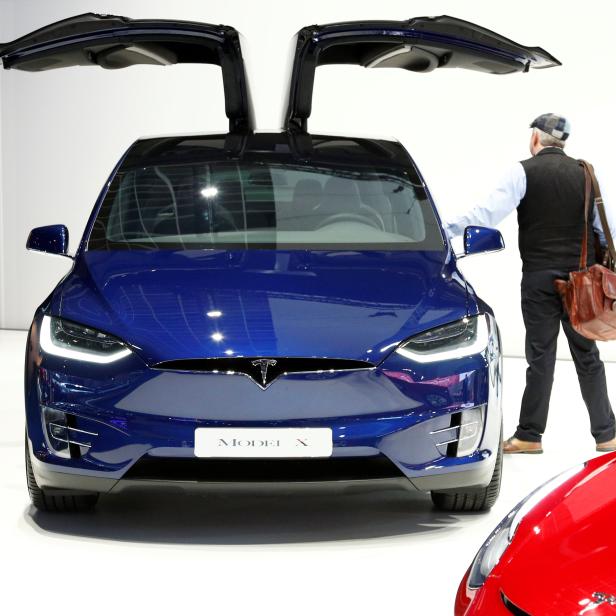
{"x": 283, "y": 147}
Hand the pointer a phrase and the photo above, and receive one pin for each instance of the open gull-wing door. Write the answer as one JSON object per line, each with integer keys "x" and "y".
{"x": 421, "y": 45}
{"x": 116, "y": 42}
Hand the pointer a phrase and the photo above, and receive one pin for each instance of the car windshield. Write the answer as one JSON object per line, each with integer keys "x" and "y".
{"x": 244, "y": 205}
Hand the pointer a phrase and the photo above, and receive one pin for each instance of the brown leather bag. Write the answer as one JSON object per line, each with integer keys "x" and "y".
{"x": 589, "y": 296}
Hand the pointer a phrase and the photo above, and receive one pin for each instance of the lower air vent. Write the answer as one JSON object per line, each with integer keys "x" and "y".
{"x": 264, "y": 370}
{"x": 65, "y": 438}
{"x": 514, "y": 609}
{"x": 464, "y": 433}
{"x": 263, "y": 470}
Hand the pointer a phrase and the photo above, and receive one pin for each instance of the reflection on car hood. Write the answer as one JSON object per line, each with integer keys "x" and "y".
{"x": 267, "y": 303}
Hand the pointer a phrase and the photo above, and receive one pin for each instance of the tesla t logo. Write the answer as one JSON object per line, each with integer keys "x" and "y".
{"x": 264, "y": 364}
{"x": 599, "y": 598}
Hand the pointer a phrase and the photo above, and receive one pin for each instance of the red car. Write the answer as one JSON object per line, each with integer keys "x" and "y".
{"x": 554, "y": 554}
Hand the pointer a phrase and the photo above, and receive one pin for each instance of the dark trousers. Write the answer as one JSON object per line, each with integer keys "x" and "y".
{"x": 543, "y": 315}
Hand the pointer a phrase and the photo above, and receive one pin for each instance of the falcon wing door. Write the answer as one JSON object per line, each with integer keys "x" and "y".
{"x": 420, "y": 45}
{"x": 116, "y": 42}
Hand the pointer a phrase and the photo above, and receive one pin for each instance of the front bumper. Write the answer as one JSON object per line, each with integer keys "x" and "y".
{"x": 134, "y": 415}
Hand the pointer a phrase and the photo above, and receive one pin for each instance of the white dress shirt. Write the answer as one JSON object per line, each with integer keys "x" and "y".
{"x": 504, "y": 199}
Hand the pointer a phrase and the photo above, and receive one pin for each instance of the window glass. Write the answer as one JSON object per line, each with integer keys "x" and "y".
{"x": 265, "y": 205}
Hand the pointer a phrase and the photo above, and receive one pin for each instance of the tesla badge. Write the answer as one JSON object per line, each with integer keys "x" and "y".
{"x": 600, "y": 597}
{"x": 264, "y": 364}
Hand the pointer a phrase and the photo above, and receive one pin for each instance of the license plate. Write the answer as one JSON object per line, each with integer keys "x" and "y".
{"x": 263, "y": 442}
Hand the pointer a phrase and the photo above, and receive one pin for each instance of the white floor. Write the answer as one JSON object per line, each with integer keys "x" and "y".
{"x": 331, "y": 551}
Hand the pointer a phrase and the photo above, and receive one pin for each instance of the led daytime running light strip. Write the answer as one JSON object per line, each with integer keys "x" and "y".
{"x": 476, "y": 346}
{"x": 51, "y": 348}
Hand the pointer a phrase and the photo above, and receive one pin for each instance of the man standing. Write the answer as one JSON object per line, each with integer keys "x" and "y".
{"x": 548, "y": 192}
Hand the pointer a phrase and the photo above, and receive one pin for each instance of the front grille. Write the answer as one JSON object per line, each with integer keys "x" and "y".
{"x": 514, "y": 609}
{"x": 263, "y": 470}
{"x": 264, "y": 370}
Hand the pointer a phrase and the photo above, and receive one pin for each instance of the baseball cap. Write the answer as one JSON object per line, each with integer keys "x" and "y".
{"x": 552, "y": 124}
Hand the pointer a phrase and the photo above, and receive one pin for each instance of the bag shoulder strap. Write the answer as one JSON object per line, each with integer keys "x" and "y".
{"x": 601, "y": 209}
{"x": 587, "y": 192}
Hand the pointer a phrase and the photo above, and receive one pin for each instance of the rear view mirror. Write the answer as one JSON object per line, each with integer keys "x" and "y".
{"x": 478, "y": 240}
{"x": 52, "y": 239}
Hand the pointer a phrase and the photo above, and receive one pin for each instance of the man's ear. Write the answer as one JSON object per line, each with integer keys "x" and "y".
{"x": 534, "y": 142}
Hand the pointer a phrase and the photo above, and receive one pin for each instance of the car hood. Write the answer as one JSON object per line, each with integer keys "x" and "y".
{"x": 196, "y": 304}
{"x": 567, "y": 542}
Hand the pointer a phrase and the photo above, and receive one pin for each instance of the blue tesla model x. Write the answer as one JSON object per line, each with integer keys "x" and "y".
{"x": 264, "y": 307}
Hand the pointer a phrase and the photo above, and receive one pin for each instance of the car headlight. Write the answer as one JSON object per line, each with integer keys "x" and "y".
{"x": 452, "y": 341}
{"x": 495, "y": 545}
{"x": 74, "y": 341}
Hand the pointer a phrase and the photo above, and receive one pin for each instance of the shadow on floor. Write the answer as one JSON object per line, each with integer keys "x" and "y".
{"x": 251, "y": 517}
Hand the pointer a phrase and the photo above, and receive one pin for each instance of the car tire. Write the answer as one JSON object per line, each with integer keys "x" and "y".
{"x": 43, "y": 500}
{"x": 473, "y": 500}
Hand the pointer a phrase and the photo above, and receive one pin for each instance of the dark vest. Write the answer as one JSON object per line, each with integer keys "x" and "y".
{"x": 551, "y": 214}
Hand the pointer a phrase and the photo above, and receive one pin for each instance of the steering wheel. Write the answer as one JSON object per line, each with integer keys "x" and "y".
{"x": 347, "y": 217}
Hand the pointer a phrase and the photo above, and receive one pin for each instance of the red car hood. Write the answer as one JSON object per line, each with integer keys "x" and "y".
{"x": 564, "y": 551}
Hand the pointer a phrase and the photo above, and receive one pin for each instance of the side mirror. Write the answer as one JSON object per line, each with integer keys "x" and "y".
{"x": 52, "y": 239}
{"x": 479, "y": 240}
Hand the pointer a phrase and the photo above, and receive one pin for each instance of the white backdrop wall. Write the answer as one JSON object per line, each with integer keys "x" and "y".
{"x": 62, "y": 131}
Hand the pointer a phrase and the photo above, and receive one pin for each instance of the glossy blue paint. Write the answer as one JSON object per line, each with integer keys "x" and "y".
{"x": 478, "y": 240}
{"x": 347, "y": 304}
{"x": 266, "y": 302}
{"x": 137, "y": 410}
{"x": 181, "y": 304}
{"x": 51, "y": 238}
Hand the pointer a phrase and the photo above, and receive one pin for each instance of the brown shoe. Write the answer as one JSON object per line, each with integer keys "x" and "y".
{"x": 607, "y": 446}
{"x": 515, "y": 445}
